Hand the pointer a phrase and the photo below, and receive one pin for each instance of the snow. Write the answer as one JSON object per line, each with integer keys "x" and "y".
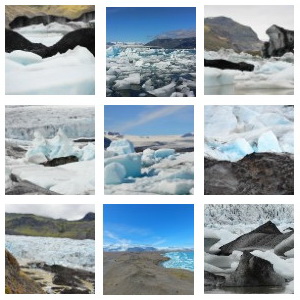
{"x": 121, "y": 147}
{"x": 62, "y": 251}
{"x": 231, "y": 132}
{"x": 135, "y": 70}
{"x": 270, "y": 76}
{"x": 69, "y": 73}
{"x": 161, "y": 171}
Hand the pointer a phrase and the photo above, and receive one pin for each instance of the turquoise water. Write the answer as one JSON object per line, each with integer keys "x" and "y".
{"x": 180, "y": 260}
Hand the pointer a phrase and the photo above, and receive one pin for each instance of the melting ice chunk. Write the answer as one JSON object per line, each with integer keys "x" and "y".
{"x": 268, "y": 142}
{"x": 121, "y": 147}
{"x": 114, "y": 173}
{"x": 162, "y": 153}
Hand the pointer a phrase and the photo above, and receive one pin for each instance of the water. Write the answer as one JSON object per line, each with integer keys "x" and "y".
{"x": 180, "y": 260}
{"x": 66, "y": 252}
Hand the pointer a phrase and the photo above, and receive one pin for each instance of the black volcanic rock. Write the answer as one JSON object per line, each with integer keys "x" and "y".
{"x": 223, "y": 32}
{"x": 265, "y": 237}
{"x": 281, "y": 41}
{"x": 225, "y": 64}
{"x": 84, "y": 37}
{"x": 168, "y": 43}
{"x": 255, "y": 174}
{"x": 254, "y": 271}
{"x": 107, "y": 142}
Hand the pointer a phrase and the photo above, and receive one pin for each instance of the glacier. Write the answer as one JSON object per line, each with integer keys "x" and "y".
{"x": 76, "y": 254}
{"x": 141, "y": 71}
{"x": 179, "y": 260}
{"x": 270, "y": 76}
{"x": 160, "y": 171}
{"x": 232, "y": 132}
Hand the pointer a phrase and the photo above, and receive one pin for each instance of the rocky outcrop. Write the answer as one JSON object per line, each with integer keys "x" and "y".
{"x": 60, "y": 161}
{"x": 88, "y": 217}
{"x": 255, "y": 174}
{"x": 254, "y": 271}
{"x": 265, "y": 237}
{"x": 225, "y": 64}
{"x": 168, "y": 43}
{"x": 281, "y": 41}
{"x": 15, "y": 281}
{"x": 84, "y": 37}
{"x": 223, "y": 32}
{"x": 23, "y": 21}
{"x": 107, "y": 142}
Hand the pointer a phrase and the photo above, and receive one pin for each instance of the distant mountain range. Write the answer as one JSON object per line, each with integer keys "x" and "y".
{"x": 118, "y": 248}
{"x": 223, "y": 32}
{"x": 168, "y": 43}
{"x": 33, "y": 225}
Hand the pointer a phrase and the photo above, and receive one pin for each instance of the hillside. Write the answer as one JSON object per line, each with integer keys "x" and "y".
{"x": 33, "y": 225}
{"x": 223, "y": 32}
{"x": 69, "y": 11}
{"x": 184, "y": 43}
{"x": 17, "y": 282}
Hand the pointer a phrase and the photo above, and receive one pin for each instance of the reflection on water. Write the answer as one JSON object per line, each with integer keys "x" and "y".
{"x": 248, "y": 290}
{"x": 230, "y": 90}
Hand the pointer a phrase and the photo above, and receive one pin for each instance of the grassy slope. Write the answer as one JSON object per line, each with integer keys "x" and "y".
{"x": 32, "y": 225}
{"x": 213, "y": 42}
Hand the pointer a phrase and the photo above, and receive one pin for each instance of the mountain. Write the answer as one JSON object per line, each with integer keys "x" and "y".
{"x": 33, "y": 225}
{"x": 223, "y": 32}
{"x": 168, "y": 43}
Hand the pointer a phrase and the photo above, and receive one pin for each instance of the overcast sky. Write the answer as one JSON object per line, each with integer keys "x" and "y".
{"x": 64, "y": 211}
{"x": 258, "y": 17}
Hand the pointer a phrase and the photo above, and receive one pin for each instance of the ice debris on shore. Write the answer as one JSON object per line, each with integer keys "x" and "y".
{"x": 161, "y": 171}
{"x": 269, "y": 74}
{"x": 231, "y": 132}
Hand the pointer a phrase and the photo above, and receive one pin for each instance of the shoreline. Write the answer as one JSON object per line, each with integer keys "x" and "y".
{"x": 142, "y": 273}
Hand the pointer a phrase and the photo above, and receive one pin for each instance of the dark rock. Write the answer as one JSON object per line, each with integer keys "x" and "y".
{"x": 168, "y": 43}
{"x": 255, "y": 174}
{"x": 107, "y": 142}
{"x": 60, "y": 161}
{"x": 265, "y": 237}
{"x": 213, "y": 280}
{"x": 75, "y": 291}
{"x": 64, "y": 278}
{"x": 254, "y": 271}
{"x": 225, "y": 64}
{"x": 281, "y": 41}
{"x": 15, "y": 41}
{"x": 82, "y": 37}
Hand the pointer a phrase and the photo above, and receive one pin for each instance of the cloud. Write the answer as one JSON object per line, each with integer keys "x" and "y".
{"x": 56, "y": 211}
{"x": 117, "y": 240}
{"x": 177, "y": 34}
{"x": 150, "y": 116}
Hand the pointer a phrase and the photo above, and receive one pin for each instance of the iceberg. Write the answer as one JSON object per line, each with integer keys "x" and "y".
{"x": 121, "y": 147}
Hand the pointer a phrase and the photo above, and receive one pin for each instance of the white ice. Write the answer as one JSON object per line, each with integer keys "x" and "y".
{"x": 69, "y": 73}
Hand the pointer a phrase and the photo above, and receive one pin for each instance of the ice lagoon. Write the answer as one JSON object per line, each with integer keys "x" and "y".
{"x": 145, "y": 72}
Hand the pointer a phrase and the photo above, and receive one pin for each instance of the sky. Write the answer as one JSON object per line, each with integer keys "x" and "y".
{"x": 149, "y": 119}
{"x": 156, "y": 225}
{"x": 143, "y": 24}
{"x": 258, "y": 17}
{"x": 56, "y": 211}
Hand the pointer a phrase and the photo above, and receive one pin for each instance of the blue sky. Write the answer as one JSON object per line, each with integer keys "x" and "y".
{"x": 149, "y": 119}
{"x": 143, "y": 24}
{"x": 157, "y": 225}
